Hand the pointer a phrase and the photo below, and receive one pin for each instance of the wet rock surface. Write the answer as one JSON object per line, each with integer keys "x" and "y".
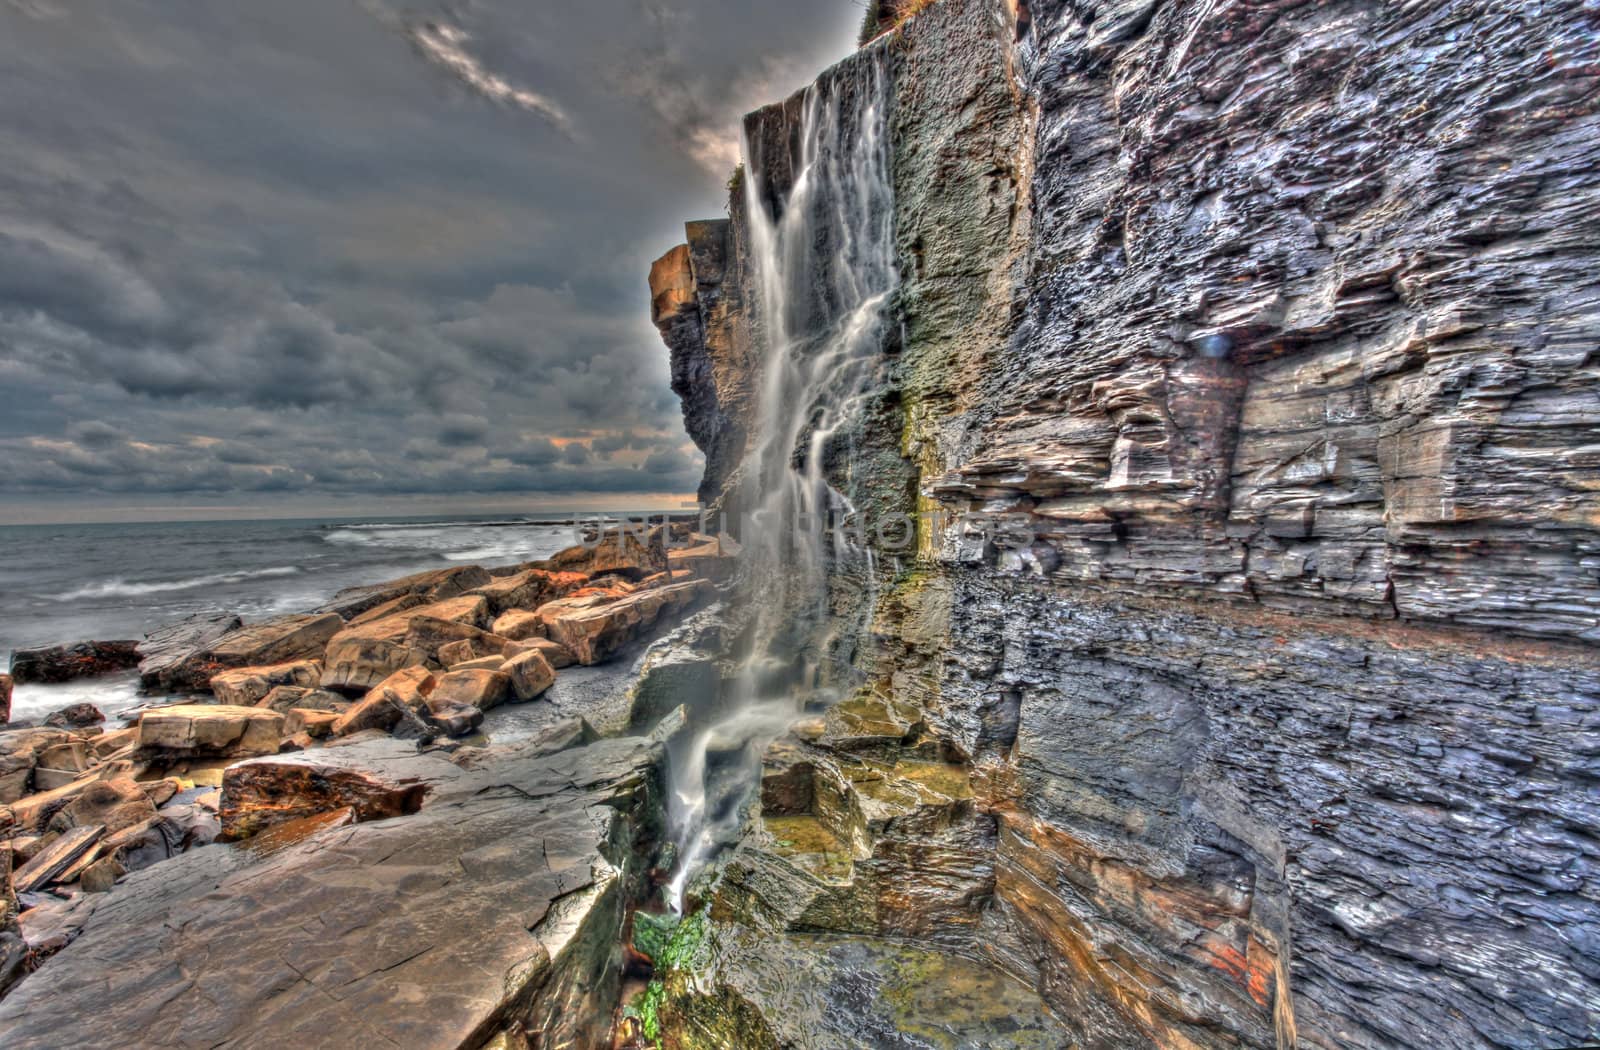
{"x": 1234, "y": 368}
{"x": 499, "y": 903}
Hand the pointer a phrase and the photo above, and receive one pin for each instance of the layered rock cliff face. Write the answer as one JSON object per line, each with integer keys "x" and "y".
{"x": 1247, "y": 399}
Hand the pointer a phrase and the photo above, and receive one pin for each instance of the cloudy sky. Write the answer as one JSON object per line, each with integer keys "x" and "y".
{"x": 359, "y": 256}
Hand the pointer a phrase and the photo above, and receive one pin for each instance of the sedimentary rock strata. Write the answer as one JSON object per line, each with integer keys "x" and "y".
{"x": 1245, "y": 401}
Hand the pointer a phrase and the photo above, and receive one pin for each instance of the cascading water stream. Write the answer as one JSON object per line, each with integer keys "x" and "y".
{"x": 824, "y": 265}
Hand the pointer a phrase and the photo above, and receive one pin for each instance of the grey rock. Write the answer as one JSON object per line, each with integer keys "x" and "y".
{"x": 502, "y": 900}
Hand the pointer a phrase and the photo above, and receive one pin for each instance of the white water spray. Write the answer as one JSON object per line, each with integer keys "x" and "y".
{"x": 825, "y": 271}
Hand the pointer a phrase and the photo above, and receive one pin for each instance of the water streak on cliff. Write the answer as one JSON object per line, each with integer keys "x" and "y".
{"x": 825, "y": 276}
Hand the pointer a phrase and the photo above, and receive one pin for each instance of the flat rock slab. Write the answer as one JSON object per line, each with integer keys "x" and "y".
{"x": 501, "y": 899}
{"x": 213, "y": 729}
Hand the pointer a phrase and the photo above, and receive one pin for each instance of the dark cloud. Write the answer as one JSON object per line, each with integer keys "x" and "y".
{"x": 358, "y": 251}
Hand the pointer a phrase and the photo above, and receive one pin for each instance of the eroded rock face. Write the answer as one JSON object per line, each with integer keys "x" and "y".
{"x": 514, "y": 876}
{"x": 1260, "y": 608}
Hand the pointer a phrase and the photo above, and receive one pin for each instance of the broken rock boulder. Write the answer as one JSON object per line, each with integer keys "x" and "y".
{"x": 222, "y": 730}
{"x": 264, "y": 792}
{"x": 356, "y": 663}
{"x": 248, "y": 686}
{"x": 388, "y": 702}
{"x": 593, "y": 629}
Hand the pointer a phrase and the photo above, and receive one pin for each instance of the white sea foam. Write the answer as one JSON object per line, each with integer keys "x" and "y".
{"x": 118, "y": 587}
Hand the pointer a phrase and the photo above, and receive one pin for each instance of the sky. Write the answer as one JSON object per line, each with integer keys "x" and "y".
{"x": 360, "y": 256}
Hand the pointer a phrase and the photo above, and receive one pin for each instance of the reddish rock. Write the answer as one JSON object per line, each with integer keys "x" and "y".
{"x": 616, "y": 549}
{"x": 65, "y": 663}
{"x": 312, "y": 723}
{"x": 529, "y": 588}
{"x": 477, "y": 647}
{"x": 265, "y": 792}
{"x": 454, "y": 719}
{"x": 6, "y": 685}
{"x": 594, "y": 629}
{"x": 389, "y": 608}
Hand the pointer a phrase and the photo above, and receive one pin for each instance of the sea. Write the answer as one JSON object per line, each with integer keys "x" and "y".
{"x": 68, "y": 583}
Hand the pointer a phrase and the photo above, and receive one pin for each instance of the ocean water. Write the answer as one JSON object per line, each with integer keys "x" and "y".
{"x": 67, "y": 583}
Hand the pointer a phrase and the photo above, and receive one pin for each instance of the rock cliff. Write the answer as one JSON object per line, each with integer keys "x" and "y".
{"x": 1246, "y": 402}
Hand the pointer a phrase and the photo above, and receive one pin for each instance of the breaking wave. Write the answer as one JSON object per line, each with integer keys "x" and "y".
{"x": 121, "y": 588}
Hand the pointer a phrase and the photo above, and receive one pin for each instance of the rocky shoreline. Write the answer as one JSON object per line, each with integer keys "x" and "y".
{"x": 457, "y": 739}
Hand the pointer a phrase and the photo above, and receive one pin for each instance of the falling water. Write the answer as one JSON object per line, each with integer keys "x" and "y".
{"x": 824, "y": 266}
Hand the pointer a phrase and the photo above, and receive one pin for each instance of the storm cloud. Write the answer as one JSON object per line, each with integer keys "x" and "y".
{"x": 301, "y": 253}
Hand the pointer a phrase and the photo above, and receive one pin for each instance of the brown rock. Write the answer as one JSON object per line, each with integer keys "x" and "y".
{"x": 51, "y": 861}
{"x": 595, "y": 629}
{"x": 355, "y": 663}
{"x": 285, "y": 697}
{"x": 616, "y": 549}
{"x": 19, "y": 753}
{"x": 6, "y": 686}
{"x": 531, "y": 674}
{"x": 100, "y": 876}
{"x": 529, "y": 589}
{"x": 708, "y": 558}
{"x": 314, "y": 724}
{"x": 405, "y": 690}
{"x": 71, "y": 756}
{"x": 471, "y": 610}
{"x": 477, "y": 647}
{"x": 215, "y": 729}
{"x": 112, "y": 804}
{"x": 452, "y": 718}
{"x": 430, "y": 635}
{"x": 481, "y": 689}
{"x": 77, "y": 716}
{"x": 488, "y": 663}
{"x": 107, "y": 744}
{"x": 65, "y": 663}
{"x": 519, "y": 625}
{"x": 264, "y": 792}
{"x": 279, "y": 641}
{"x": 388, "y": 609}
{"x": 558, "y": 655}
{"x": 248, "y": 686}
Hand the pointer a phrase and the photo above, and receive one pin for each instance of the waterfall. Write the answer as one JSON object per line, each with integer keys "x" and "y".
{"x": 824, "y": 271}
